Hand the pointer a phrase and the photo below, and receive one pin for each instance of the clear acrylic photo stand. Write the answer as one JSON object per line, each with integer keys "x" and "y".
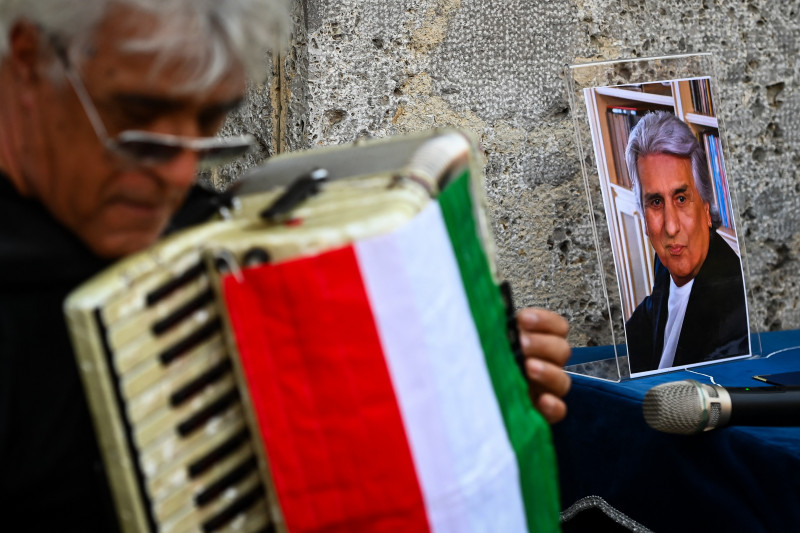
{"x": 606, "y": 99}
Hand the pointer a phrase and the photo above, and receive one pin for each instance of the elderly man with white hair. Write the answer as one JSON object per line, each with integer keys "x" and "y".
{"x": 107, "y": 107}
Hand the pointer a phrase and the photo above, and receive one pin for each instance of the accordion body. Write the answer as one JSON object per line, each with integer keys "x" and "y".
{"x": 329, "y": 355}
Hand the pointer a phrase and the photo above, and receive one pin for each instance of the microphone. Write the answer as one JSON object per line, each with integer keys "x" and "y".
{"x": 688, "y": 407}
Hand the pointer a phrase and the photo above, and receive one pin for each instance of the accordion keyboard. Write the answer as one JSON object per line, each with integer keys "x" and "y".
{"x": 193, "y": 457}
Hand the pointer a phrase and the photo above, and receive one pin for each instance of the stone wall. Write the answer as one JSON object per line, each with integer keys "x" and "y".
{"x": 496, "y": 68}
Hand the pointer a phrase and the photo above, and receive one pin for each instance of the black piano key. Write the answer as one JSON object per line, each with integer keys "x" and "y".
{"x": 208, "y": 377}
{"x": 229, "y": 513}
{"x": 183, "y": 312}
{"x": 217, "y": 454}
{"x": 190, "y": 341}
{"x": 159, "y": 293}
{"x": 228, "y": 480}
{"x": 213, "y": 409}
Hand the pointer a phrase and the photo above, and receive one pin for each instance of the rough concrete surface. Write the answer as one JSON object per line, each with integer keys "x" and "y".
{"x": 496, "y": 67}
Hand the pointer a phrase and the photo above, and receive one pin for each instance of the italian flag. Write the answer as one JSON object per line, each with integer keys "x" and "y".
{"x": 385, "y": 389}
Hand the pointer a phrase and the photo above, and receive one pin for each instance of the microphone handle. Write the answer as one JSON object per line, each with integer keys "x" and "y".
{"x": 765, "y": 406}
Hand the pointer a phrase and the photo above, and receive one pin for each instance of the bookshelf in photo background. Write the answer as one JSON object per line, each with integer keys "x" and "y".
{"x": 621, "y": 120}
{"x": 613, "y": 112}
{"x": 701, "y": 97}
{"x": 719, "y": 180}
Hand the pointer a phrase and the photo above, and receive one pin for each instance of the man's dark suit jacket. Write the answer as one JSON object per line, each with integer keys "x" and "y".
{"x": 715, "y": 324}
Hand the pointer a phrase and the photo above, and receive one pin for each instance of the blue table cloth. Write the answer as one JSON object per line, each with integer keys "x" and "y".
{"x": 728, "y": 479}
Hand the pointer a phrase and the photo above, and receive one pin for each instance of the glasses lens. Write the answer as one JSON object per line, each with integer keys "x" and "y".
{"x": 154, "y": 148}
{"x": 220, "y": 154}
{"x": 149, "y": 152}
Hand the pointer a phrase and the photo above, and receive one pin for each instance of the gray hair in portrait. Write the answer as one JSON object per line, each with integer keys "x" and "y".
{"x": 206, "y": 34}
{"x": 662, "y": 132}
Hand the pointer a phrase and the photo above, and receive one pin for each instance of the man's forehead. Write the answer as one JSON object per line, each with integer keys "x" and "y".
{"x": 132, "y": 45}
{"x": 664, "y": 167}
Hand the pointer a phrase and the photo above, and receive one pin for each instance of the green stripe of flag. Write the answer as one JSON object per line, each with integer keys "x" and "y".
{"x": 528, "y": 431}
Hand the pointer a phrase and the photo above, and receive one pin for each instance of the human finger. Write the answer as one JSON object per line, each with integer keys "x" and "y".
{"x": 547, "y": 377}
{"x": 549, "y": 347}
{"x": 536, "y": 320}
{"x": 552, "y": 408}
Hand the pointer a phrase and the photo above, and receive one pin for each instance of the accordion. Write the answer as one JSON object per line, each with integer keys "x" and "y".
{"x": 331, "y": 353}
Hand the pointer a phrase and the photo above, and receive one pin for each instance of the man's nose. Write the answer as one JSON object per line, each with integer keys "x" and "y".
{"x": 180, "y": 171}
{"x": 672, "y": 224}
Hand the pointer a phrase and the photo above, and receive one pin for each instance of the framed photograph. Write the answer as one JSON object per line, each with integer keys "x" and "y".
{"x": 671, "y": 225}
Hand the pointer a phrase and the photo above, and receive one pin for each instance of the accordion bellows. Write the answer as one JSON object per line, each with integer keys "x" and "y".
{"x": 343, "y": 367}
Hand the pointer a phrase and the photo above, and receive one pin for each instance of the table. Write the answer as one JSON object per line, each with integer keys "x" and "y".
{"x": 728, "y": 479}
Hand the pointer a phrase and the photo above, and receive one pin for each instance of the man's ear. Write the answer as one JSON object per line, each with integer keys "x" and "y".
{"x": 25, "y": 49}
{"x": 708, "y": 213}
{"x": 24, "y": 61}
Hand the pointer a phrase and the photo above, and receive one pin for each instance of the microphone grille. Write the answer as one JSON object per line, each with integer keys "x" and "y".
{"x": 677, "y": 407}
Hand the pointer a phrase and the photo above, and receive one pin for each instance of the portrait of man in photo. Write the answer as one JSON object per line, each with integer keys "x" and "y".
{"x": 697, "y": 310}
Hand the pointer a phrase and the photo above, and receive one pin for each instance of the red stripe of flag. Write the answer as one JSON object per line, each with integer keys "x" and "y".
{"x": 323, "y": 396}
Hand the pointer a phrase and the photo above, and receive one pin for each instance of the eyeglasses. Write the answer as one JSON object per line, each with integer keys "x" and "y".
{"x": 150, "y": 148}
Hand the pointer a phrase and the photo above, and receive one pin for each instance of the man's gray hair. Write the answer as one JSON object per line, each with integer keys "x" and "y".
{"x": 662, "y": 132}
{"x": 208, "y": 35}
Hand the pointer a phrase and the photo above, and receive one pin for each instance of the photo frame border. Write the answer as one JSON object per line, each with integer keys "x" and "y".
{"x": 610, "y": 363}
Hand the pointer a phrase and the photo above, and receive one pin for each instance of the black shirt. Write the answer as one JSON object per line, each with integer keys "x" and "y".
{"x": 51, "y": 476}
